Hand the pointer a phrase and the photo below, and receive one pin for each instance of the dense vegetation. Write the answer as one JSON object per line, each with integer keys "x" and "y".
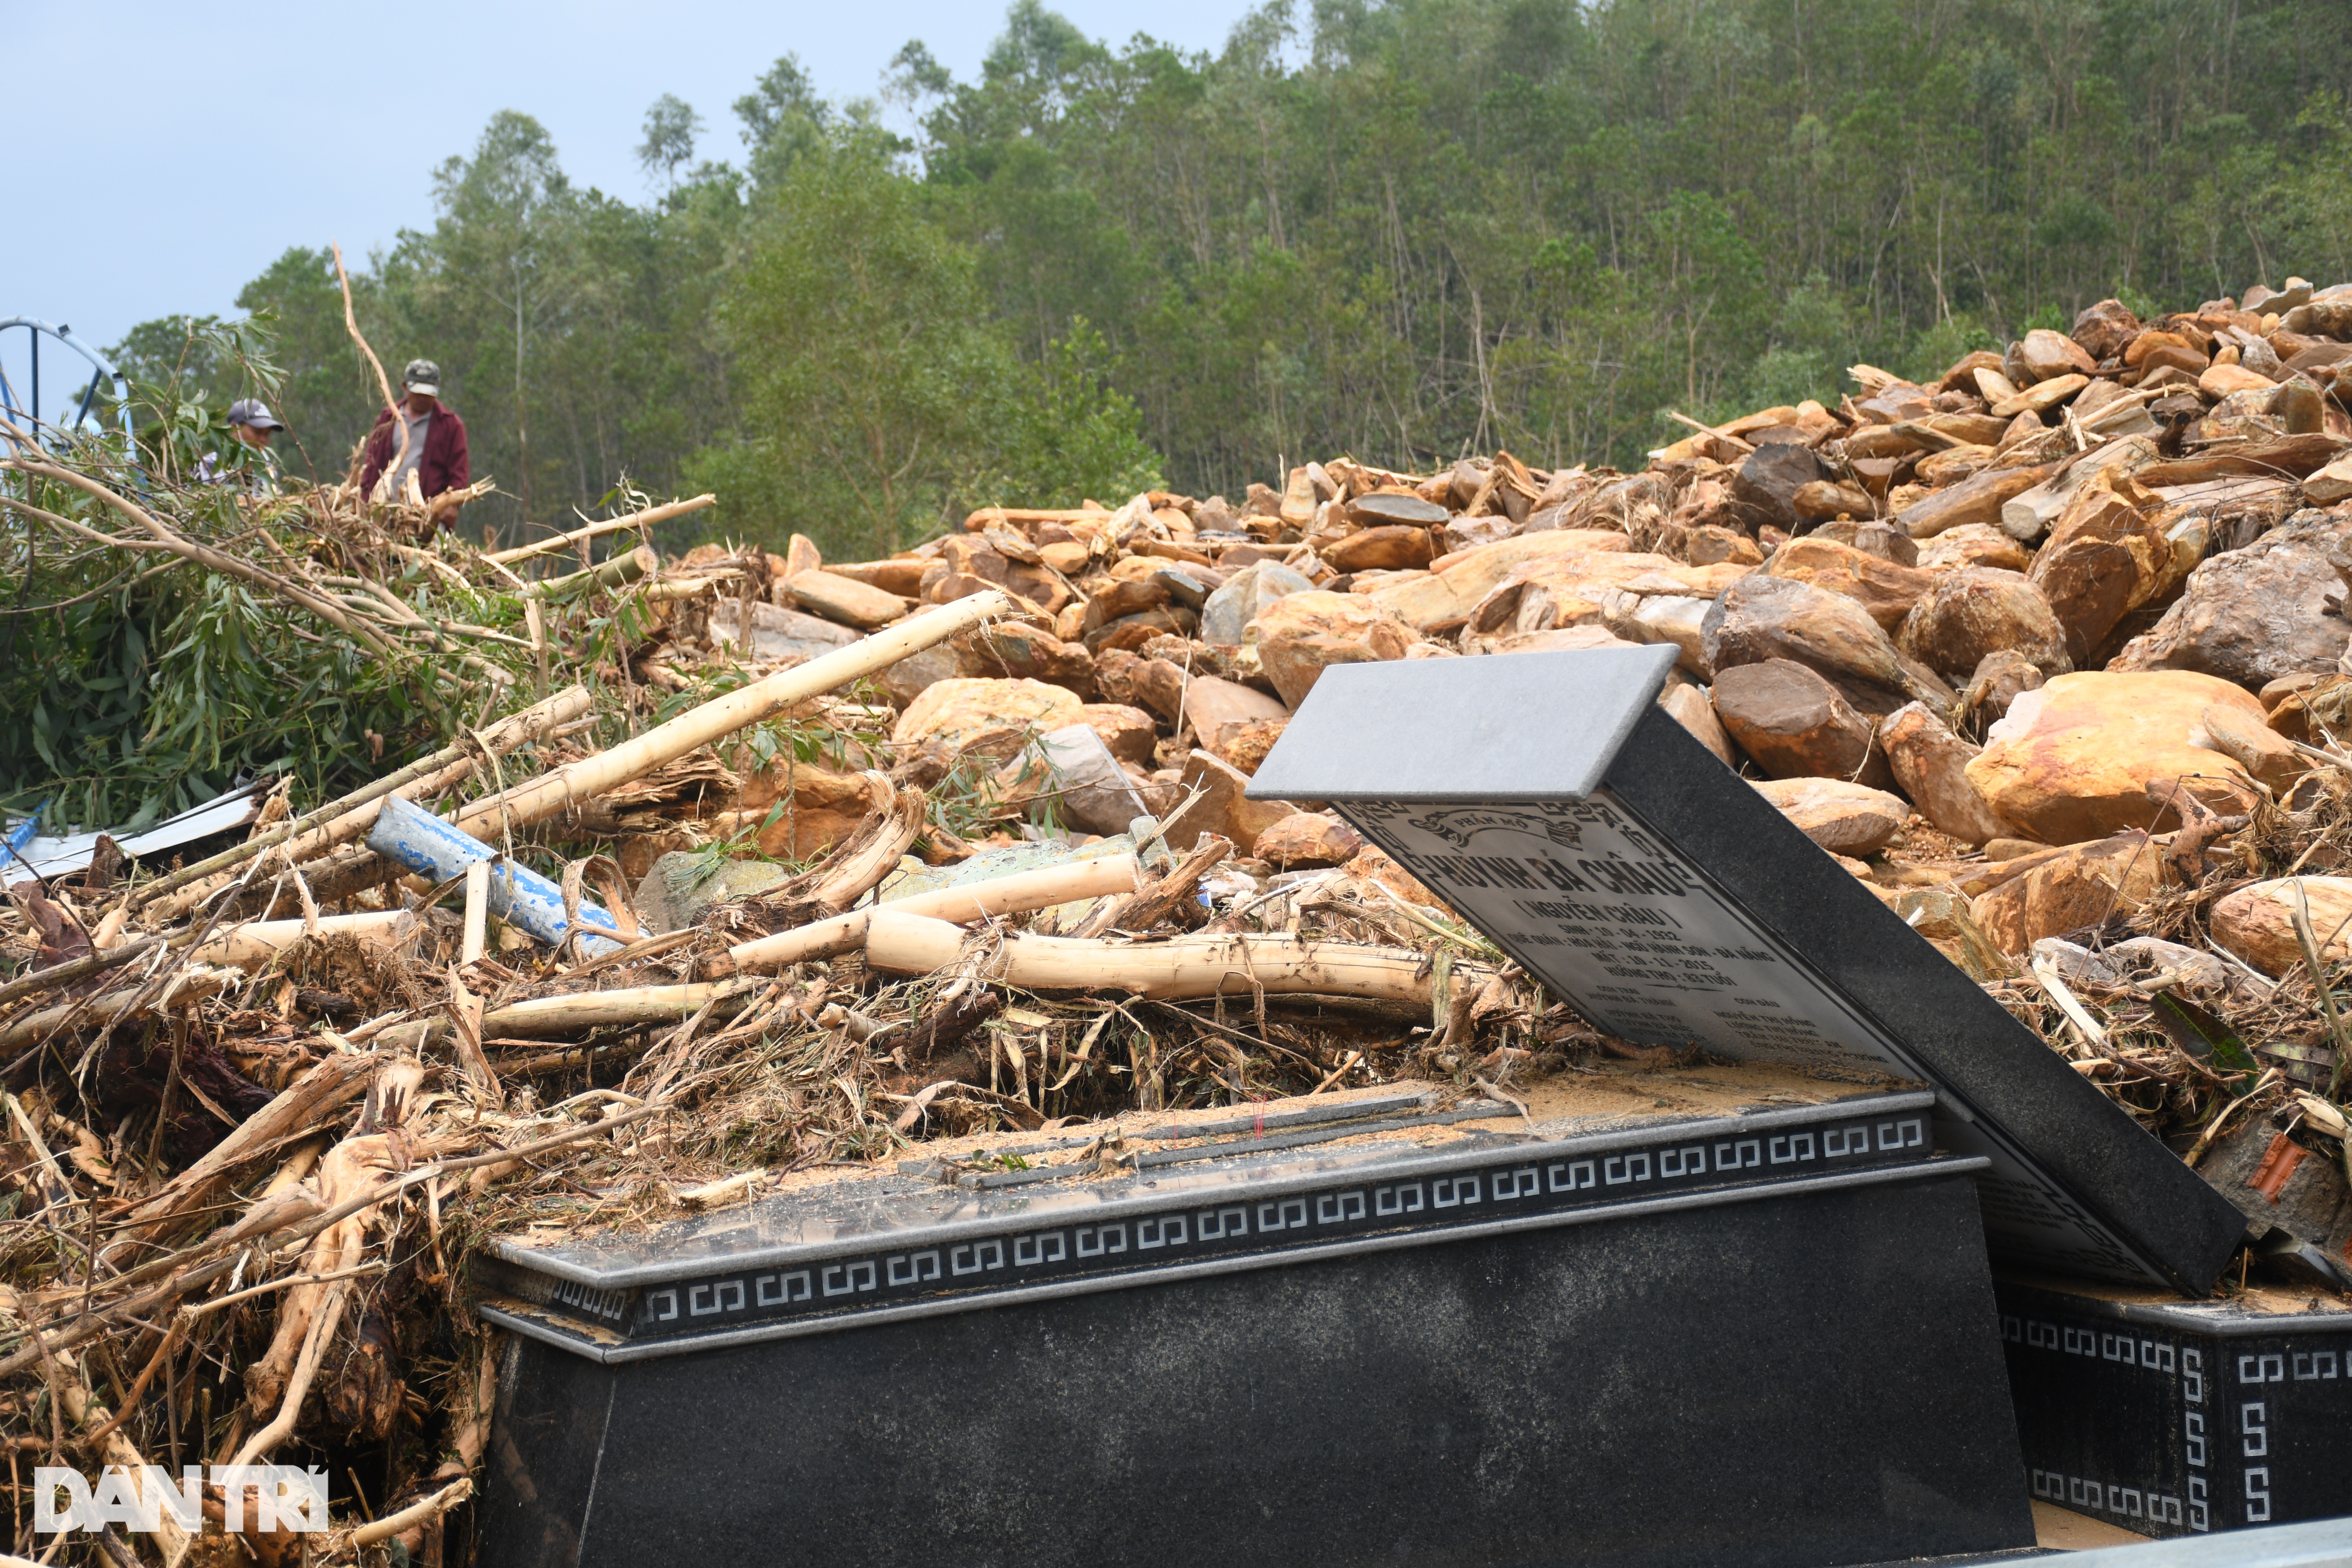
{"x": 1398, "y": 229}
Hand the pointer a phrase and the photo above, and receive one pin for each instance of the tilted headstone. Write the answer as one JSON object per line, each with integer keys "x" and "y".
{"x": 1551, "y": 802}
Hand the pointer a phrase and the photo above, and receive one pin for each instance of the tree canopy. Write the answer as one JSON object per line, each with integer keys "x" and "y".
{"x": 1396, "y": 228}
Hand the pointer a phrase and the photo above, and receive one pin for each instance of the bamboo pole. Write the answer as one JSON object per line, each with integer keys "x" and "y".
{"x": 1168, "y": 971}
{"x": 351, "y": 815}
{"x": 1017, "y": 894}
{"x": 563, "y": 541}
{"x": 191, "y": 985}
{"x": 591, "y": 776}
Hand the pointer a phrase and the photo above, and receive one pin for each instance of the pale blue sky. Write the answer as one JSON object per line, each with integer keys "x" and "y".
{"x": 164, "y": 153}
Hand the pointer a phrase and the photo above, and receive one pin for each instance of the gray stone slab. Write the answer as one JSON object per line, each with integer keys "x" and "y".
{"x": 1550, "y": 801}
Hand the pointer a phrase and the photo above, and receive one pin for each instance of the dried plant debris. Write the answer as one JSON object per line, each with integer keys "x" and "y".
{"x": 834, "y": 863}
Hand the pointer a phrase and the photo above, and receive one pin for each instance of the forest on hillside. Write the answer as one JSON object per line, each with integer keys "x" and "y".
{"x": 1400, "y": 229}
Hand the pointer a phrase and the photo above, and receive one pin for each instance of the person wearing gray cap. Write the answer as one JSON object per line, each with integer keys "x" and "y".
{"x": 250, "y": 421}
{"x": 435, "y": 454}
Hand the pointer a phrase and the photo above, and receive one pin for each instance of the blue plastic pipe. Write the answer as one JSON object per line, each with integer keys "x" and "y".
{"x": 420, "y": 842}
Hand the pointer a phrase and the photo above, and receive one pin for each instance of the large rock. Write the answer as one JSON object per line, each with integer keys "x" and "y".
{"x": 1769, "y": 480}
{"x": 2104, "y": 328}
{"x": 1127, "y": 732}
{"x": 1223, "y": 809}
{"x": 1299, "y": 636}
{"x": 1796, "y": 724}
{"x": 2029, "y": 514}
{"x": 1014, "y": 650}
{"x": 778, "y": 634}
{"x": 1974, "y": 544}
{"x": 2002, "y": 676}
{"x": 1879, "y": 585}
{"x": 2072, "y": 761}
{"x": 2255, "y": 614}
{"x": 1444, "y": 600}
{"x": 2081, "y": 887}
{"x": 1308, "y": 838}
{"x": 918, "y": 672}
{"x": 1245, "y": 596}
{"x": 2262, "y": 751}
{"x": 1555, "y": 591}
{"x": 1842, "y": 818}
{"x": 2044, "y": 355}
{"x": 2257, "y": 923}
{"x": 986, "y": 715}
{"x": 1693, "y": 711}
{"x": 1217, "y": 708}
{"x": 1246, "y": 747}
{"x": 1976, "y": 610}
{"x": 1679, "y": 619}
{"x": 821, "y": 808}
{"x": 1132, "y": 588}
{"x": 1090, "y": 789}
{"x": 681, "y": 885}
{"x": 1930, "y": 764}
{"x": 843, "y": 599}
{"x": 1159, "y": 685}
{"x": 2104, "y": 558}
{"x": 1386, "y": 549}
{"x": 1761, "y": 618}
{"x": 1978, "y": 498}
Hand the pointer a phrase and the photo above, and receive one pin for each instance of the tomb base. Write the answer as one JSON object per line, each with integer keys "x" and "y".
{"x": 1742, "y": 1361}
{"x": 2172, "y": 1417}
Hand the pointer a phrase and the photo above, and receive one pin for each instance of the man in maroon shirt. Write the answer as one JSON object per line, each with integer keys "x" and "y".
{"x": 436, "y": 448}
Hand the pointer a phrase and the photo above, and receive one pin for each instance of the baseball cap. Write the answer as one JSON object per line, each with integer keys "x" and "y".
{"x": 422, "y": 375}
{"x": 253, "y": 412}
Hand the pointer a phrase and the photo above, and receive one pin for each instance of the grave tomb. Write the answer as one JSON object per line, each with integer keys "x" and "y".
{"x": 1660, "y": 1316}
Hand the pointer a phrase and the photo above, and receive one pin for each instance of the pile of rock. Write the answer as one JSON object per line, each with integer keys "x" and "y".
{"x": 2006, "y": 611}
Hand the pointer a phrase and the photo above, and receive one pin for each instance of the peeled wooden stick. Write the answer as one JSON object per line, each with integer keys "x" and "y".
{"x": 1017, "y": 894}
{"x": 1169, "y": 971}
{"x": 716, "y": 719}
{"x": 318, "y": 1331}
{"x": 563, "y": 541}
{"x": 252, "y": 945}
{"x": 415, "y": 1513}
{"x": 606, "y": 1009}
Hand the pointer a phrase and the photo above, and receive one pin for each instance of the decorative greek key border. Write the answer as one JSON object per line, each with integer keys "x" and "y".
{"x": 1183, "y": 1234}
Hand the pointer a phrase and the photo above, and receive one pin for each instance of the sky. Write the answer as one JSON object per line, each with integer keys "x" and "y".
{"x": 181, "y": 147}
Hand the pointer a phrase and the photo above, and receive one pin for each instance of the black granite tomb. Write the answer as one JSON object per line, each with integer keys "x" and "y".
{"x": 1552, "y": 801}
{"x": 2176, "y": 1417}
{"x": 1373, "y": 1331}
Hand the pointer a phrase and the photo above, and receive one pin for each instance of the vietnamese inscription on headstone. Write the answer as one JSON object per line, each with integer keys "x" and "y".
{"x": 1644, "y": 945}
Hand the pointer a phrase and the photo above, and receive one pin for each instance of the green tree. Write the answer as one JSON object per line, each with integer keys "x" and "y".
{"x": 671, "y": 127}
{"x": 858, "y": 331}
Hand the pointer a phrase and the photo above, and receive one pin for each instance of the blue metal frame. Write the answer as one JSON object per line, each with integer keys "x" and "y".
{"x": 99, "y": 366}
